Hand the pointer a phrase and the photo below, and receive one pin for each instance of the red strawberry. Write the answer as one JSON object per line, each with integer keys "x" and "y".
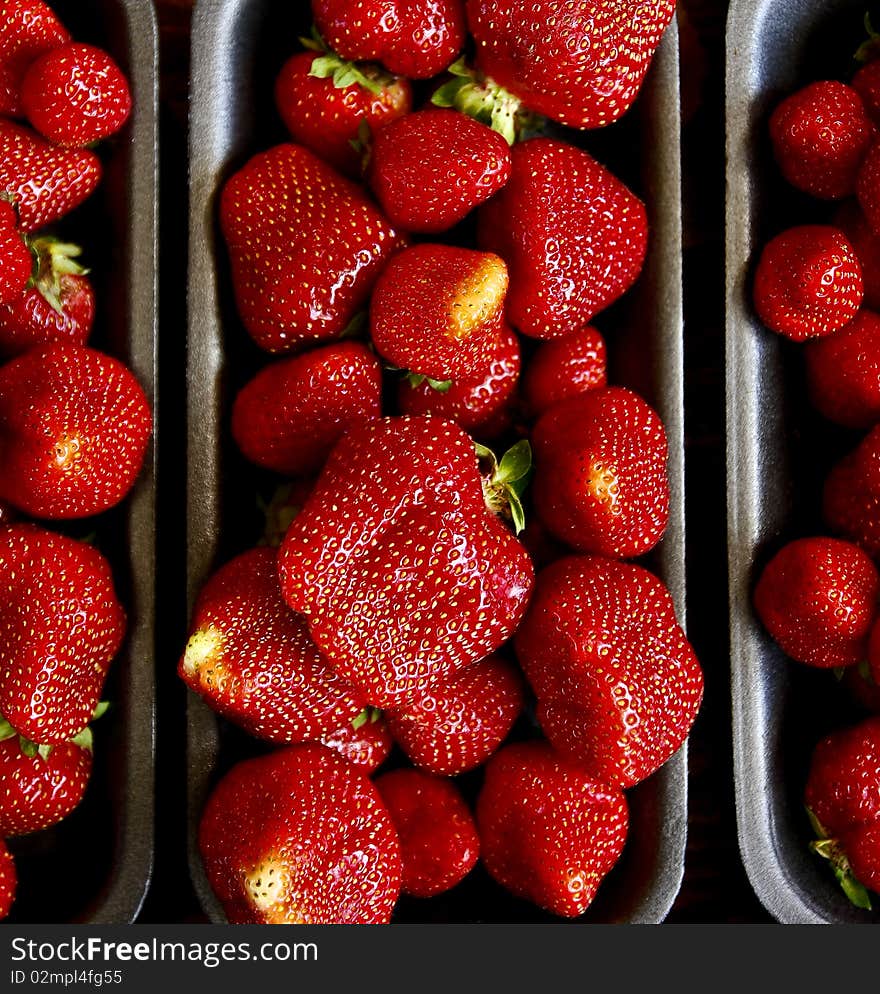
{"x": 324, "y": 102}
{"x": 366, "y": 742}
{"x": 843, "y": 798}
{"x": 566, "y": 368}
{"x": 45, "y": 181}
{"x": 58, "y": 305}
{"x": 817, "y": 598}
{"x": 866, "y": 83}
{"x": 8, "y": 880}
{"x": 868, "y": 187}
{"x": 414, "y": 38}
{"x": 617, "y": 682}
{"x": 16, "y": 262}
{"x": 858, "y": 680}
{"x": 27, "y": 29}
{"x": 74, "y": 430}
{"x": 461, "y": 721}
{"x": 41, "y": 790}
{"x": 580, "y": 64}
{"x": 61, "y": 624}
{"x": 439, "y": 844}
{"x": 820, "y": 136}
{"x": 252, "y": 660}
{"x": 75, "y": 95}
{"x": 851, "y": 502}
{"x": 549, "y": 833}
{"x": 300, "y": 836}
{"x": 292, "y": 413}
{"x": 573, "y": 236}
{"x": 437, "y": 310}
{"x": 601, "y": 483}
{"x": 843, "y": 372}
{"x": 404, "y": 574}
{"x": 306, "y": 246}
{"x": 808, "y": 283}
{"x": 480, "y": 403}
{"x": 429, "y": 170}
{"x": 850, "y": 220}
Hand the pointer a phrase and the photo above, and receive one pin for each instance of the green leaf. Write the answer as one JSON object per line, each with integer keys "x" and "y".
{"x": 100, "y": 710}
{"x": 84, "y": 740}
{"x": 441, "y": 386}
{"x": 324, "y": 66}
{"x": 361, "y": 719}
{"x": 839, "y": 672}
{"x": 375, "y": 714}
{"x": 817, "y": 826}
{"x": 6, "y": 730}
{"x": 314, "y": 43}
{"x": 44, "y": 751}
{"x": 517, "y": 513}
{"x": 515, "y": 463}
{"x": 29, "y": 748}
{"x": 447, "y": 94}
{"x": 856, "y": 892}
{"x": 357, "y": 326}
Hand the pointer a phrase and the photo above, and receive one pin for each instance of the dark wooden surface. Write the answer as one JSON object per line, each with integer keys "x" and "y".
{"x": 715, "y": 887}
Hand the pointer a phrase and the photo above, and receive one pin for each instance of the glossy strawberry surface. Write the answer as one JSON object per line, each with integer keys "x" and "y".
{"x": 573, "y": 236}
{"x": 74, "y": 429}
{"x": 293, "y": 412}
{"x": 8, "y": 880}
{"x": 461, "y": 721}
{"x": 46, "y": 181}
{"x": 868, "y": 187}
{"x": 300, "y": 836}
{"x": 31, "y": 321}
{"x": 866, "y": 83}
{"x": 61, "y": 625}
{"x": 843, "y": 372}
{"x": 75, "y": 95}
{"x": 366, "y": 742}
{"x": 843, "y": 789}
{"x": 40, "y": 791}
{"x": 430, "y": 169}
{"x": 817, "y": 597}
{"x": 27, "y": 29}
{"x": 820, "y": 136}
{"x": 439, "y": 845}
{"x": 617, "y": 682}
{"x": 808, "y": 283}
{"x": 851, "y": 501}
{"x": 327, "y": 118}
{"x": 415, "y": 38}
{"x": 565, "y": 368}
{"x": 601, "y": 481}
{"x": 579, "y": 63}
{"x": 851, "y": 221}
{"x": 403, "y": 573}
{"x": 251, "y": 658}
{"x": 549, "y": 833}
{"x": 306, "y": 246}
{"x": 16, "y": 262}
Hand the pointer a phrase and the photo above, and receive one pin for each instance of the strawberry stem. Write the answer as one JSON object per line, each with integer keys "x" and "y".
{"x": 328, "y": 65}
{"x": 417, "y": 379}
{"x": 505, "y": 482}
{"x": 53, "y": 259}
{"x": 833, "y": 851}
{"x": 870, "y": 48}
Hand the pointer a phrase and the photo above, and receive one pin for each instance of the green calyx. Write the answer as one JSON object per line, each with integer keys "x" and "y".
{"x": 832, "y": 850}
{"x": 505, "y": 482}
{"x": 53, "y": 260}
{"x": 480, "y": 97}
{"x": 30, "y": 749}
{"x": 870, "y": 48}
{"x": 328, "y": 65}
{"x": 417, "y": 379}
{"x": 369, "y": 716}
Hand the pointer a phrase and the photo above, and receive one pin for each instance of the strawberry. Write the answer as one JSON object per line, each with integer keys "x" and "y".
{"x": 324, "y": 102}
{"x": 16, "y": 262}
{"x": 429, "y": 170}
{"x": 820, "y": 136}
{"x": 437, "y": 311}
{"x": 291, "y": 413}
{"x": 850, "y": 220}
{"x": 858, "y": 680}
{"x": 868, "y": 187}
{"x": 480, "y": 403}
{"x": 413, "y": 38}
{"x": 808, "y": 283}
{"x": 617, "y": 682}
{"x": 8, "y": 880}
{"x": 866, "y": 83}
{"x": 439, "y": 844}
{"x": 548, "y": 832}
{"x": 565, "y": 368}
{"x": 27, "y": 29}
{"x": 580, "y": 64}
{"x": 573, "y": 236}
{"x": 403, "y": 572}
{"x": 252, "y": 660}
{"x": 61, "y": 625}
{"x": 40, "y": 789}
{"x": 75, "y": 94}
{"x": 74, "y": 430}
{"x": 817, "y": 598}
{"x": 460, "y": 721}
{"x": 601, "y": 483}
{"x": 851, "y": 502}
{"x": 843, "y": 798}
{"x": 300, "y": 836}
{"x": 843, "y": 372}
{"x": 306, "y": 246}
{"x": 45, "y": 181}
{"x": 366, "y": 742}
